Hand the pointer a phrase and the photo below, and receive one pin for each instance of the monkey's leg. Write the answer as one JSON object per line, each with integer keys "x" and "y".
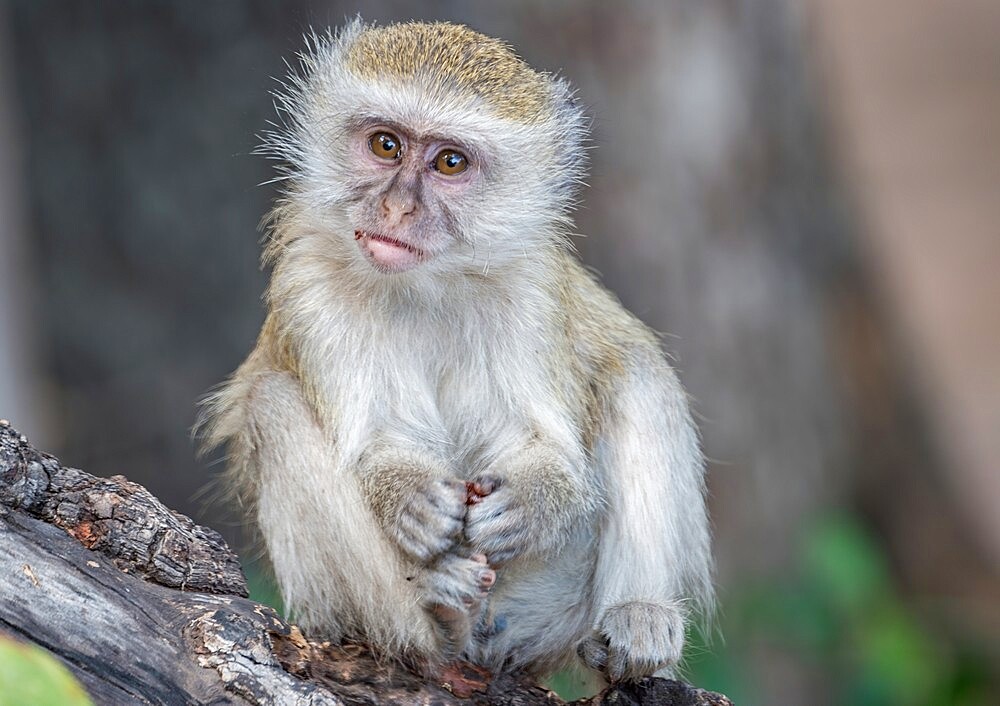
{"x": 654, "y": 561}
{"x": 338, "y": 571}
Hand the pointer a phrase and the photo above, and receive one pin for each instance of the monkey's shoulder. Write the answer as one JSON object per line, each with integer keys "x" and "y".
{"x": 608, "y": 338}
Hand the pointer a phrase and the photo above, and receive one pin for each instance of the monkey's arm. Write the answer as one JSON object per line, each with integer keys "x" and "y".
{"x": 409, "y": 492}
{"x": 335, "y": 519}
{"x": 654, "y": 561}
{"x": 336, "y": 568}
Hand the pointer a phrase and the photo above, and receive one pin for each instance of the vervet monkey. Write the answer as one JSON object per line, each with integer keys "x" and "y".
{"x": 454, "y": 441}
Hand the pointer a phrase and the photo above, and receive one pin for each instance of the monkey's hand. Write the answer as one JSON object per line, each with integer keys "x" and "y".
{"x": 429, "y": 519}
{"x": 500, "y": 523}
{"x": 634, "y": 640}
{"x": 531, "y": 512}
{"x": 414, "y": 500}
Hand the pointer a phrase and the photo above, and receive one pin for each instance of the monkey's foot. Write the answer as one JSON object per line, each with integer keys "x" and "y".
{"x": 459, "y": 583}
{"x": 455, "y": 589}
{"x": 635, "y": 640}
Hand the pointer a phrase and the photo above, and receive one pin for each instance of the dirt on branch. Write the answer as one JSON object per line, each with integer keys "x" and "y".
{"x": 145, "y": 606}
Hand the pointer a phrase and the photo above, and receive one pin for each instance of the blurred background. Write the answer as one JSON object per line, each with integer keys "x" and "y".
{"x": 803, "y": 196}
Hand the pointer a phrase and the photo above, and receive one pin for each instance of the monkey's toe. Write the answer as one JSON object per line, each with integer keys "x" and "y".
{"x": 487, "y": 577}
{"x": 594, "y": 653}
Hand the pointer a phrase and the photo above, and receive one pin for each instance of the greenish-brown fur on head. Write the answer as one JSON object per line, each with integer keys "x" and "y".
{"x": 458, "y": 57}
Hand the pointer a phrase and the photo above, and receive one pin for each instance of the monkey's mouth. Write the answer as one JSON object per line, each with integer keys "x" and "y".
{"x": 388, "y": 254}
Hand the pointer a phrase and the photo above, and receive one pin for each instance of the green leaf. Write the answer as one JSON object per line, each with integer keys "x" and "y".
{"x": 574, "y": 683}
{"x": 30, "y": 676}
{"x": 262, "y": 587}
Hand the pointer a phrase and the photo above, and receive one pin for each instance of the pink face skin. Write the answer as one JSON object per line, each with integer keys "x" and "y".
{"x": 406, "y": 203}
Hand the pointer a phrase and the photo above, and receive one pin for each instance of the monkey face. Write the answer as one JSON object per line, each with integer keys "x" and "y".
{"x": 417, "y": 173}
{"x": 405, "y": 190}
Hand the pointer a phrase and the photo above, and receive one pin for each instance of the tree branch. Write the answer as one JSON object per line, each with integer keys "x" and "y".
{"x": 142, "y": 604}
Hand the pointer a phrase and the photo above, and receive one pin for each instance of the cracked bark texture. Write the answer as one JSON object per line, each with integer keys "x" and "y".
{"x": 145, "y": 606}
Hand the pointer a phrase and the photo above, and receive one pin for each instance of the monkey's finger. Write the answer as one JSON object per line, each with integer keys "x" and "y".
{"x": 473, "y": 493}
{"x": 616, "y": 668}
{"x": 422, "y": 543}
{"x": 484, "y": 486}
{"x": 594, "y": 653}
{"x": 446, "y": 496}
{"x": 429, "y": 521}
{"x": 423, "y": 515}
{"x": 499, "y": 541}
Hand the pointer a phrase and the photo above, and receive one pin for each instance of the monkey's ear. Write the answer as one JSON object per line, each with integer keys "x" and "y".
{"x": 569, "y": 111}
{"x": 573, "y": 126}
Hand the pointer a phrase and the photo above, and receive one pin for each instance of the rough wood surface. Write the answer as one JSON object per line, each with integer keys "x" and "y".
{"x": 145, "y": 606}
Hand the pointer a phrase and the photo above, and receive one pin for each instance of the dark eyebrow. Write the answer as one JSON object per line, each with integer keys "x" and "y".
{"x": 365, "y": 122}
{"x": 360, "y": 123}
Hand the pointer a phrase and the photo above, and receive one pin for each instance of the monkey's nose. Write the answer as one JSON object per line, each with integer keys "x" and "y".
{"x": 395, "y": 210}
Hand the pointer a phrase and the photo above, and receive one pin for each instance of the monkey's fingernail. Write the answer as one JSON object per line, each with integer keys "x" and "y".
{"x": 479, "y": 558}
{"x": 485, "y": 487}
{"x": 488, "y": 578}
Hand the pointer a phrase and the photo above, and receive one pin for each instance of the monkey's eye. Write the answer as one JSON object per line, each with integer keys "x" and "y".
{"x": 450, "y": 162}
{"x": 385, "y": 145}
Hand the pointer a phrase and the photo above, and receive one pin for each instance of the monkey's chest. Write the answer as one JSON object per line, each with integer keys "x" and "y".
{"x": 472, "y": 393}
{"x": 472, "y": 405}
